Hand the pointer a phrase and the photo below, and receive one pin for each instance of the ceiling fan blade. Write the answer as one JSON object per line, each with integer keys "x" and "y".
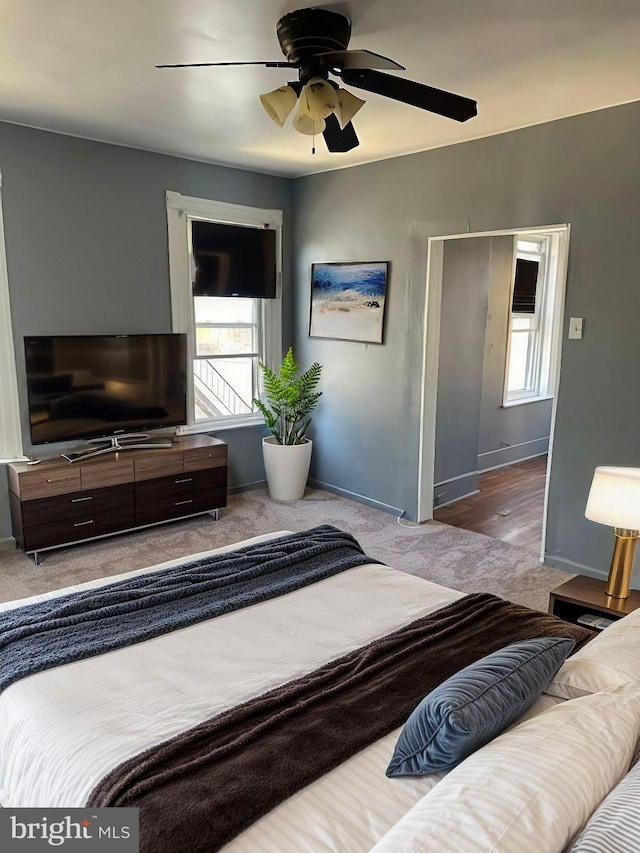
{"x": 416, "y": 94}
{"x": 357, "y": 59}
{"x": 339, "y": 140}
{"x": 212, "y": 64}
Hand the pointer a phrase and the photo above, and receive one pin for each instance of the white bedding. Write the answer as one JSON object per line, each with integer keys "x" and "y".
{"x": 62, "y": 730}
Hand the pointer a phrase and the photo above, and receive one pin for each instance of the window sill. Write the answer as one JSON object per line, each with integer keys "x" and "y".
{"x": 511, "y": 403}
{"x": 217, "y": 425}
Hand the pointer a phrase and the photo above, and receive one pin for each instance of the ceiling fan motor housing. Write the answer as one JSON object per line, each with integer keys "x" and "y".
{"x": 306, "y": 32}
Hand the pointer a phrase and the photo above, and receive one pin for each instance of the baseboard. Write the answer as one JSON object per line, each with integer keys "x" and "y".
{"x": 7, "y": 544}
{"x": 514, "y": 453}
{"x": 448, "y": 491}
{"x": 247, "y": 487}
{"x": 354, "y": 496}
{"x": 455, "y": 500}
{"x": 574, "y": 568}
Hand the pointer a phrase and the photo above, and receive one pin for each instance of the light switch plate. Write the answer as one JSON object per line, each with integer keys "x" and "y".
{"x": 575, "y": 328}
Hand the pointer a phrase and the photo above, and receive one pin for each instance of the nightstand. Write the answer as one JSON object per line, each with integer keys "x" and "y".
{"x": 582, "y": 595}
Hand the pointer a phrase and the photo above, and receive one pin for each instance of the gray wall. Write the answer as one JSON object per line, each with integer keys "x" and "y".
{"x": 463, "y": 319}
{"x": 86, "y": 244}
{"x": 582, "y": 170}
{"x": 517, "y": 432}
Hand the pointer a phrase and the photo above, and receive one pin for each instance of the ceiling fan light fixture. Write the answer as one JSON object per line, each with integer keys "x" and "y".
{"x": 279, "y": 103}
{"x": 307, "y": 124}
{"x": 347, "y": 106}
{"x": 315, "y": 42}
{"x": 320, "y": 96}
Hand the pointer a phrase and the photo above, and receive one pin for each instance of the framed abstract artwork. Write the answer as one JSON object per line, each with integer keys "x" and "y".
{"x": 347, "y": 300}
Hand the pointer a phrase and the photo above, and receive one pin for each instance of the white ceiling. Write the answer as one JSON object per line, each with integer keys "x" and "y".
{"x": 86, "y": 67}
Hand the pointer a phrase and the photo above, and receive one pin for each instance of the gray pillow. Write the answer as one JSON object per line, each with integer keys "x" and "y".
{"x": 474, "y": 705}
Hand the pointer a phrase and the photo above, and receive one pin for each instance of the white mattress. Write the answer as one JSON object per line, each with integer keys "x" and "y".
{"x": 62, "y": 730}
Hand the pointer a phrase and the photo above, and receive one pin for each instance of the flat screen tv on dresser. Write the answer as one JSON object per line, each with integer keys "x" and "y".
{"x": 106, "y": 389}
{"x": 100, "y": 386}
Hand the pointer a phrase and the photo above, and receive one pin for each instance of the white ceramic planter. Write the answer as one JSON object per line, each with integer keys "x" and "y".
{"x": 286, "y": 467}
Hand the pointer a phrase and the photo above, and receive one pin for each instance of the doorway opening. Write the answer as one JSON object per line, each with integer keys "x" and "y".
{"x": 509, "y": 504}
{"x": 493, "y": 336}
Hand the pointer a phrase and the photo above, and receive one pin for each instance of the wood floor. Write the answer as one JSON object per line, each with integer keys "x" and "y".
{"x": 509, "y": 505}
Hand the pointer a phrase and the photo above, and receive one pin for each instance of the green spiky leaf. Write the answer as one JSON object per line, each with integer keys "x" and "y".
{"x": 291, "y": 399}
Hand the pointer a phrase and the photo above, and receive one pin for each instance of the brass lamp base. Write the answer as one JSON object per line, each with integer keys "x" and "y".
{"x": 622, "y": 563}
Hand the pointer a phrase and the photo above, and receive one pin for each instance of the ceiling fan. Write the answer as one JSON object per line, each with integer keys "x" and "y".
{"x": 314, "y": 42}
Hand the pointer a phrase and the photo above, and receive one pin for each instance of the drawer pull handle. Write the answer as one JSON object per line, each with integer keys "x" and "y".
{"x": 185, "y": 480}
{"x": 78, "y": 500}
{"x": 179, "y": 503}
{"x": 82, "y": 523}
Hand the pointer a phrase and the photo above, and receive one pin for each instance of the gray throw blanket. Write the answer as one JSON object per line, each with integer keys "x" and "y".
{"x": 87, "y": 623}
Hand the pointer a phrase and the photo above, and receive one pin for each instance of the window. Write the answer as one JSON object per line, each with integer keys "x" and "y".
{"x": 532, "y": 315}
{"x": 10, "y": 432}
{"x": 227, "y": 351}
{"x": 227, "y": 335}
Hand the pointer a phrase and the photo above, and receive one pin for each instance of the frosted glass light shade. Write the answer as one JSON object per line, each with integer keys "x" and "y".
{"x": 347, "y": 106}
{"x": 279, "y": 103}
{"x": 308, "y": 120}
{"x": 614, "y": 497}
{"x": 303, "y": 123}
{"x": 321, "y": 98}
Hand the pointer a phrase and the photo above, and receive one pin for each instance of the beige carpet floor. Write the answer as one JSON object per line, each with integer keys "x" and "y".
{"x": 457, "y": 558}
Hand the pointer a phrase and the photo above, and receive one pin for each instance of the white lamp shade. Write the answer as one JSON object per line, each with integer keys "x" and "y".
{"x": 279, "y": 103}
{"x": 348, "y": 105}
{"x": 614, "y": 498}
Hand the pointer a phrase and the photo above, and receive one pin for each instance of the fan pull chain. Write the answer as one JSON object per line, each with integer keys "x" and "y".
{"x": 313, "y": 144}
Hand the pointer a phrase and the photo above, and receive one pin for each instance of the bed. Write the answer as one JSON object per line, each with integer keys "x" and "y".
{"x": 67, "y": 728}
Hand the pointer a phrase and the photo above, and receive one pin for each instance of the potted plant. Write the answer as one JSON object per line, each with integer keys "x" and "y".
{"x": 287, "y": 451}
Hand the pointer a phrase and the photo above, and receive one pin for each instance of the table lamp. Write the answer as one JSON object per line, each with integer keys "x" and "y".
{"x": 614, "y": 499}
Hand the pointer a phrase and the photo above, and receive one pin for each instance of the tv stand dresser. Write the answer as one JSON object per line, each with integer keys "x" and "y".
{"x": 57, "y": 503}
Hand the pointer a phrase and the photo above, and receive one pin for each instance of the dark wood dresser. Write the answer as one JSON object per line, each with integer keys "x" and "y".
{"x": 56, "y": 502}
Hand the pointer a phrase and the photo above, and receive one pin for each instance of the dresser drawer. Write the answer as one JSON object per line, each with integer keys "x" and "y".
{"x": 77, "y": 505}
{"x": 180, "y": 485}
{"x": 45, "y": 483}
{"x": 162, "y": 510}
{"x": 74, "y": 529}
{"x": 112, "y": 472}
{"x": 205, "y": 457}
{"x": 158, "y": 465}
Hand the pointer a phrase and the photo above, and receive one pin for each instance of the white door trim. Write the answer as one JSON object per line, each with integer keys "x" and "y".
{"x": 10, "y": 429}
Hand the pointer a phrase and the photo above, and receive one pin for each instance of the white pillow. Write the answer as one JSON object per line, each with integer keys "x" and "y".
{"x": 611, "y": 658}
{"x": 615, "y": 824}
{"x": 534, "y": 785}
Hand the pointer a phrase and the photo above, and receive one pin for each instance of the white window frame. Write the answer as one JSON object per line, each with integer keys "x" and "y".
{"x": 546, "y": 320}
{"x": 180, "y": 210}
{"x": 11, "y": 448}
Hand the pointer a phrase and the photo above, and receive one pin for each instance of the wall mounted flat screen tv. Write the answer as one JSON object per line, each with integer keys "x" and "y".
{"x": 233, "y": 260}
{"x": 93, "y": 386}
